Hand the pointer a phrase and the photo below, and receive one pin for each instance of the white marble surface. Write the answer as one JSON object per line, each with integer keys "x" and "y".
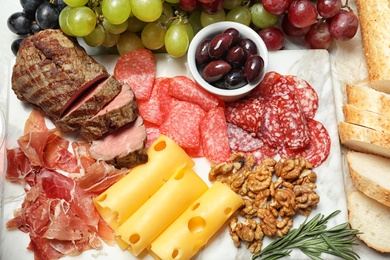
{"x": 347, "y": 64}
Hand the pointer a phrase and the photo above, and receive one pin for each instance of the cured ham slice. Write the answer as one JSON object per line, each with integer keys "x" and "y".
{"x": 59, "y": 216}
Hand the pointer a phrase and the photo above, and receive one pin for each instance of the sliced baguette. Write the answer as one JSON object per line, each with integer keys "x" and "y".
{"x": 371, "y": 218}
{"x": 369, "y": 99}
{"x": 374, "y": 16}
{"x": 363, "y": 117}
{"x": 364, "y": 139}
{"x": 371, "y": 175}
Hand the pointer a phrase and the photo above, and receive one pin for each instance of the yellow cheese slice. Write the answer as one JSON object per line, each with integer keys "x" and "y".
{"x": 191, "y": 231}
{"x": 123, "y": 198}
{"x": 156, "y": 214}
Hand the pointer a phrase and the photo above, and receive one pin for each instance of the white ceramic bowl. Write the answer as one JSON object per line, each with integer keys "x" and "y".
{"x": 227, "y": 95}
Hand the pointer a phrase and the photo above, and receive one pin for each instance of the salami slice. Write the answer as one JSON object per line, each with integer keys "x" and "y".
{"x": 138, "y": 69}
{"x": 165, "y": 100}
{"x": 184, "y": 88}
{"x": 273, "y": 84}
{"x": 182, "y": 124}
{"x": 195, "y": 152}
{"x": 306, "y": 95}
{"x": 150, "y": 109}
{"x": 293, "y": 122}
{"x": 317, "y": 151}
{"x": 264, "y": 152}
{"x": 271, "y": 131}
{"x": 246, "y": 113}
{"x": 241, "y": 140}
{"x": 152, "y": 133}
{"x": 215, "y": 142}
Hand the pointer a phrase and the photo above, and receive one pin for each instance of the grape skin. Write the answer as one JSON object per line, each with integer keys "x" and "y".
{"x": 344, "y": 26}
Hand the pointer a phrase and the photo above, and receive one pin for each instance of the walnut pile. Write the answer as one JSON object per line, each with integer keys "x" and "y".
{"x": 273, "y": 192}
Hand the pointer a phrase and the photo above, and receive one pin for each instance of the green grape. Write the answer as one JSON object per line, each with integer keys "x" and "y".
{"x": 230, "y": 4}
{"x": 261, "y": 18}
{"x": 75, "y": 3}
{"x": 173, "y": 1}
{"x": 134, "y": 24}
{"x": 96, "y": 37}
{"x": 176, "y": 40}
{"x": 153, "y": 35}
{"x": 147, "y": 10}
{"x": 207, "y": 19}
{"x": 115, "y": 28}
{"x": 129, "y": 41}
{"x": 116, "y": 11}
{"x": 111, "y": 39}
{"x": 194, "y": 20}
{"x": 81, "y": 21}
{"x": 166, "y": 15}
{"x": 187, "y": 25}
{"x": 63, "y": 20}
{"x": 240, "y": 14}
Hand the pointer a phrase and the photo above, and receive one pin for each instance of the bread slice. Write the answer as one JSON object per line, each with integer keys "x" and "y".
{"x": 369, "y": 99}
{"x": 364, "y": 139}
{"x": 371, "y": 175}
{"x": 359, "y": 116}
{"x": 371, "y": 218}
{"x": 374, "y": 16}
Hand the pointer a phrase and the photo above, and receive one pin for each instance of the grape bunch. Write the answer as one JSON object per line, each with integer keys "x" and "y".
{"x": 169, "y": 25}
{"x": 320, "y": 23}
{"x": 36, "y": 15}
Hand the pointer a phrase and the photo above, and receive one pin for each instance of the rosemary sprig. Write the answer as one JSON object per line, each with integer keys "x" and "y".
{"x": 313, "y": 238}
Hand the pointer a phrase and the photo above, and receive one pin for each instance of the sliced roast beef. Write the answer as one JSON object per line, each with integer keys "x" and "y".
{"x": 119, "y": 111}
{"x": 52, "y": 70}
{"x": 89, "y": 105}
{"x": 123, "y": 148}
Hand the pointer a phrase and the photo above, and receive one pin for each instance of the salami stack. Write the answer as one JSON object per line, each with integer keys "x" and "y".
{"x": 278, "y": 118}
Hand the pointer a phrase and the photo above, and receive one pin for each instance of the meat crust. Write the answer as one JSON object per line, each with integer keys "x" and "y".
{"x": 51, "y": 70}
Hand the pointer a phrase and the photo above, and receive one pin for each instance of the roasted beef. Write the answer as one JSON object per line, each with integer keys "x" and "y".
{"x": 52, "y": 70}
{"x": 89, "y": 105}
{"x": 54, "y": 74}
{"x": 121, "y": 110}
{"x": 124, "y": 147}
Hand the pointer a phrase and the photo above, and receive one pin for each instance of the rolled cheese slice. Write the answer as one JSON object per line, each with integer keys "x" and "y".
{"x": 157, "y": 213}
{"x": 123, "y": 198}
{"x": 191, "y": 231}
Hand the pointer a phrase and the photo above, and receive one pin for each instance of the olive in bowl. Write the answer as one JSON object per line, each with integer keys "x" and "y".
{"x": 227, "y": 59}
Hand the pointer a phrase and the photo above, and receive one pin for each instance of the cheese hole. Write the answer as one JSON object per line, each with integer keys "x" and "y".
{"x": 134, "y": 238}
{"x": 228, "y": 210}
{"x": 175, "y": 253}
{"x": 160, "y": 146}
{"x": 196, "y": 224}
{"x": 196, "y": 206}
{"x": 179, "y": 174}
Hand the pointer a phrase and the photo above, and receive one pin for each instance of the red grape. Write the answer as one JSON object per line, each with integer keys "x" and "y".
{"x": 328, "y": 8}
{"x": 212, "y": 7}
{"x": 291, "y": 30}
{"x": 273, "y": 38}
{"x": 188, "y": 5}
{"x": 276, "y": 6}
{"x": 206, "y": 1}
{"x": 344, "y": 25}
{"x": 319, "y": 37}
{"x": 302, "y": 13}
